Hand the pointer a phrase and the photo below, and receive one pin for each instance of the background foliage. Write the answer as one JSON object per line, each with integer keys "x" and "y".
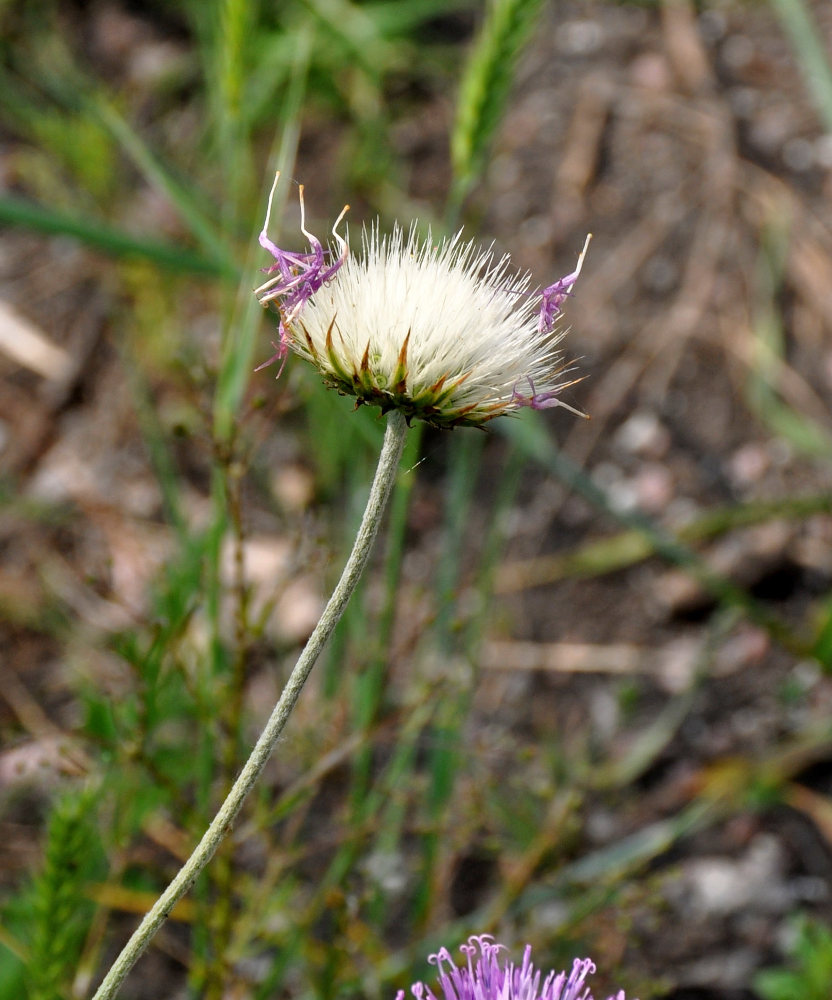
{"x": 577, "y": 675}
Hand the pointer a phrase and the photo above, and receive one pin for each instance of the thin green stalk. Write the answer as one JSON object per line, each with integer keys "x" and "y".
{"x": 807, "y": 41}
{"x": 221, "y": 910}
{"x": 465, "y": 456}
{"x": 235, "y": 27}
{"x": 447, "y": 727}
{"x": 385, "y": 477}
{"x": 243, "y": 319}
{"x": 372, "y": 683}
{"x": 491, "y": 550}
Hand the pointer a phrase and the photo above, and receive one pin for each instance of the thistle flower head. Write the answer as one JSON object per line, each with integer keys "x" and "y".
{"x": 445, "y": 332}
{"x": 483, "y": 976}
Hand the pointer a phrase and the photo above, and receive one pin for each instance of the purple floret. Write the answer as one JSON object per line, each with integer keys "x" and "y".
{"x": 295, "y": 277}
{"x": 545, "y": 400}
{"x": 554, "y": 296}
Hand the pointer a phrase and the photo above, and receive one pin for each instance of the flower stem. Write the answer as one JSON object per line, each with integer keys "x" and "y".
{"x": 385, "y": 477}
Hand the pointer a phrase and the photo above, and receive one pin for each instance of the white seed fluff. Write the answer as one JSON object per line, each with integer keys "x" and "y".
{"x": 470, "y": 318}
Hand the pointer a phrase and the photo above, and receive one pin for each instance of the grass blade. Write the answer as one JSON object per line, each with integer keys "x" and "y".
{"x": 186, "y": 204}
{"x": 114, "y": 242}
{"x": 806, "y": 39}
{"x": 485, "y": 89}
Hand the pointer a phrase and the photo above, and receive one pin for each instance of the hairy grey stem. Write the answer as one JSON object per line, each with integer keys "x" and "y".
{"x": 385, "y": 477}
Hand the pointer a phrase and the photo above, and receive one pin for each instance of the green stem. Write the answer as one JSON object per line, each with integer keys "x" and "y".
{"x": 385, "y": 477}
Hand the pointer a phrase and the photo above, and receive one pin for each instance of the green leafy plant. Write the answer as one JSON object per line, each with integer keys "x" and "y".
{"x": 55, "y": 912}
{"x": 808, "y": 974}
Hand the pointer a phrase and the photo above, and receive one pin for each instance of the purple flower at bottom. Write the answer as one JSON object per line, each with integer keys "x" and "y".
{"x": 485, "y": 977}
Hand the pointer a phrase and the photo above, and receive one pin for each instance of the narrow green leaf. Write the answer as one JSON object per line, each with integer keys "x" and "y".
{"x": 807, "y": 40}
{"x": 16, "y": 212}
{"x": 486, "y": 87}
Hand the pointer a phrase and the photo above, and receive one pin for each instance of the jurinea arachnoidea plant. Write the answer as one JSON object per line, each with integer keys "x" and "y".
{"x": 444, "y": 332}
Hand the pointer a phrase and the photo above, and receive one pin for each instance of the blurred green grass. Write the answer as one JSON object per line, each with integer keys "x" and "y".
{"x": 373, "y": 778}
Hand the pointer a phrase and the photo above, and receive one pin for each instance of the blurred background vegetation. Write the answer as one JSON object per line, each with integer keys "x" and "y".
{"x": 583, "y": 696}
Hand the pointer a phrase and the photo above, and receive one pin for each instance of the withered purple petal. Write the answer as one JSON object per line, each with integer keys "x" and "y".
{"x": 555, "y": 294}
{"x": 295, "y": 277}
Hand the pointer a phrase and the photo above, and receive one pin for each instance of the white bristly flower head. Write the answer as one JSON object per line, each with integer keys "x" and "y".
{"x": 444, "y": 332}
